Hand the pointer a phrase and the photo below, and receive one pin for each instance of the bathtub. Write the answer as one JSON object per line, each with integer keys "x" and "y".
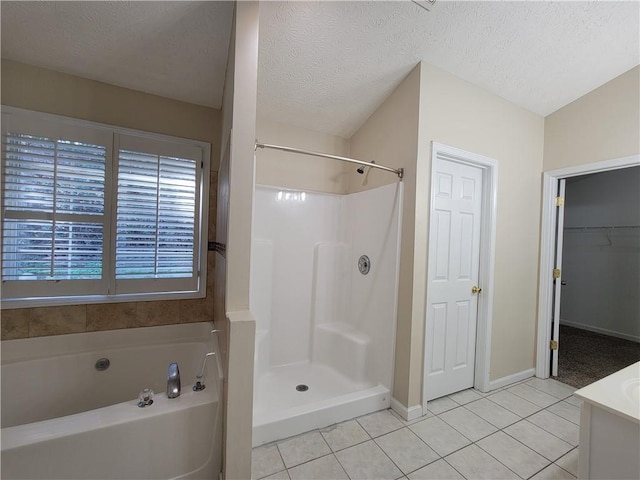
{"x": 64, "y": 418}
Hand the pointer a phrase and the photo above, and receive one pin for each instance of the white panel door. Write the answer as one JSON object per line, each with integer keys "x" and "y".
{"x": 454, "y": 257}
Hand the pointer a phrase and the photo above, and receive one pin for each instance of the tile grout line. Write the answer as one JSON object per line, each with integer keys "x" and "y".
{"x": 575, "y": 448}
{"x": 360, "y": 443}
{"x": 551, "y": 433}
{"x": 398, "y": 466}
{"x": 342, "y": 466}
{"x": 488, "y": 453}
{"x": 551, "y": 404}
{"x": 459, "y": 472}
{"x": 473, "y": 413}
{"x": 426, "y": 464}
{"x": 546, "y": 409}
{"x": 277, "y": 443}
{"x": 282, "y": 459}
{"x": 545, "y": 406}
{"x": 313, "y": 460}
{"x": 536, "y": 473}
{"x": 526, "y": 446}
{"x": 342, "y": 449}
{"x": 382, "y": 449}
{"x": 353, "y": 445}
{"x": 546, "y": 458}
{"x": 387, "y": 455}
{"x": 563, "y": 398}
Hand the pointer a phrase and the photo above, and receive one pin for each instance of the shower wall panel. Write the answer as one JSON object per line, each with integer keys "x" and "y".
{"x": 374, "y": 231}
{"x": 310, "y": 301}
{"x": 325, "y": 332}
{"x": 331, "y": 282}
{"x": 293, "y": 222}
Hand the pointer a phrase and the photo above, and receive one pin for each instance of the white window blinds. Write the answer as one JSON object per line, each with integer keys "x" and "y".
{"x": 70, "y": 228}
{"x": 156, "y": 216}
{"x": 54, "y": 208}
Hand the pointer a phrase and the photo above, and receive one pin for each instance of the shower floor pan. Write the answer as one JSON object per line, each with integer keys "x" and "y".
{"x": 281, "y": 410}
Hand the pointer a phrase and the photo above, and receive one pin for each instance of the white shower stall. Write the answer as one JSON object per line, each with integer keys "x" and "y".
{"x": 325, "y": 332}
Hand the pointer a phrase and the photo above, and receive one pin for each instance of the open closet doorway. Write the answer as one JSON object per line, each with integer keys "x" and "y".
{"x": 589, "y": 311}
{"x": 599, "y": 327}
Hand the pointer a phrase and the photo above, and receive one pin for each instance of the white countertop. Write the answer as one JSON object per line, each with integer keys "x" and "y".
{"x": 619, "y": 393}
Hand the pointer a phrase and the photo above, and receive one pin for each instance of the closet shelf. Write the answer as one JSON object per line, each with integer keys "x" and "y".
{"x": 609, "y": 232}
{"x": 608, "y": 227}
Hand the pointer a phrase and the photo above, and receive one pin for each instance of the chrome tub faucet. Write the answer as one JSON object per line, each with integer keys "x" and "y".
{"x": 173, "y": 381}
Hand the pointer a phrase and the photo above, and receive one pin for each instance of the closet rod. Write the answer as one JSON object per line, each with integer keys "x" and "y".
{"x": 620, "y": 227}
{"x": 397, "y": 171}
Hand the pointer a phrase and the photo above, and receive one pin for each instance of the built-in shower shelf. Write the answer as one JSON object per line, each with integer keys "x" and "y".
{"x": 346, "y": 331}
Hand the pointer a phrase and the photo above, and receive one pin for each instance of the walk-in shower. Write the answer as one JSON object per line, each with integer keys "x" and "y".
{"x": 324, "y": 280}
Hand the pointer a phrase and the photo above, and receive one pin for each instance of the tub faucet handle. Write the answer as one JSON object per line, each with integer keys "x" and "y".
{"x": 173, "y": 381}
{"x": 145, "y": 398}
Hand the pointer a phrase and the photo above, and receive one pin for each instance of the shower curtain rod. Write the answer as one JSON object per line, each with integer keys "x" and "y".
{"x": 397, "y": 171}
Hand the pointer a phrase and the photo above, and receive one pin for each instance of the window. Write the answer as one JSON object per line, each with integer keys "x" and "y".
{"x": 94, "y": 213}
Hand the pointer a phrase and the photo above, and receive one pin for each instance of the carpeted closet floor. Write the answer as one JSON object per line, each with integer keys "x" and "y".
{"x": 586, "y": 356}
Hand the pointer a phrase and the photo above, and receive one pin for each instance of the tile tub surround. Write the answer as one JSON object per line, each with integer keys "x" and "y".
{"x": 43, "y": 321}
{"x": 470, "y": 437}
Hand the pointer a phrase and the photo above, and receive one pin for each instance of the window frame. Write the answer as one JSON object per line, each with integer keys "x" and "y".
{"x": 66, "y": 293}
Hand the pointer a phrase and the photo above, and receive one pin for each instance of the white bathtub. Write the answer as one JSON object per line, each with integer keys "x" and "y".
{"x": 62, "y": 418}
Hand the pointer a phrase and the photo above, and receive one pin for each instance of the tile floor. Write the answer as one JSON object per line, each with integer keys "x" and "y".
{"x": 526, "y": 430}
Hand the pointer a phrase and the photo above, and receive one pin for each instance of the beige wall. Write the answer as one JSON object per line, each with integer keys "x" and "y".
{"x": 456, "y": 113}
{"x": 290, "y": 170}
{"x": 52, "y": 92}
{"x": 390, "y": 137}
{"x": 602, "y": 125}
{"x": 433, "y": 106}
{"x": 48, "y": 91}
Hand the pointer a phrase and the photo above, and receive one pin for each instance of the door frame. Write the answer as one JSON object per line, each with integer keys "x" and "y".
{"x": 557, "y": 283}
{"x": 489, "y": 208}
{"x": 548, "y": 245}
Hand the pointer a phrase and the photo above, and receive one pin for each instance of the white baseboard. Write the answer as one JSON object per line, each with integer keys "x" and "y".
{"x": 513, "y": 378}
{"x": 410, "y": 413}
{"x": 603, "y": 331}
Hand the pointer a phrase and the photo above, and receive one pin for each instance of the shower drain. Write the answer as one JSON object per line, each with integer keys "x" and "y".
{"x": 302, "y": 388}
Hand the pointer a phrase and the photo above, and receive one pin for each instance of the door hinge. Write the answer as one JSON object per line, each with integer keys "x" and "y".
{"x": 556, "y": 273}
{"x": 559, "y": 201}
{"x": 553, "y": 345}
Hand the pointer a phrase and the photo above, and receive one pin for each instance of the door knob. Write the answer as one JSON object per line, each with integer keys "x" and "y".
{"x": 475, "y": 290}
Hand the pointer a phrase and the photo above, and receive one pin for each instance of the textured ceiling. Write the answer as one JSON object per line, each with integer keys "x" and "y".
{"x": 327, "y": 66}
{"x": 174, "y": 49}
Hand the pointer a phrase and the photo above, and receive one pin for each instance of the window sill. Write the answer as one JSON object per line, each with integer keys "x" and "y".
{"x": 8, "y": 304}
